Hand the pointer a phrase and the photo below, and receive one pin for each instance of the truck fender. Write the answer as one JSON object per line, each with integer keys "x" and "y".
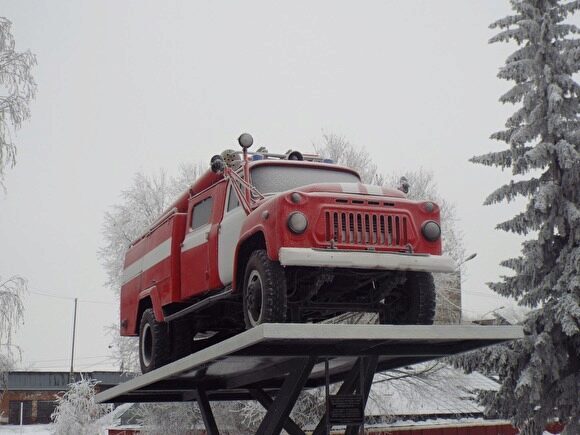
{"x": 255, "y": 236}
{"x": 153, "y": 294}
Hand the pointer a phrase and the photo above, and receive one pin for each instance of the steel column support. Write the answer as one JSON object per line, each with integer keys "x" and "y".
{"x": 286, "y": 398}
{"x": 369, "y": 365}
{"x": 266, "y": 401}
{"x": 368, "y": 369}
{"x": 347, "y": 387}
{"x": 206, "y": 413}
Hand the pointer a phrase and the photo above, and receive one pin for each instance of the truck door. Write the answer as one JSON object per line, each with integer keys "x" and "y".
{"x": 195, "y": 271}
{"x": 229, "y": 235}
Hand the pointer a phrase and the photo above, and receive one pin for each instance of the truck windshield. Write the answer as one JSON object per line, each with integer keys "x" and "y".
{"x": 275, "y": 178}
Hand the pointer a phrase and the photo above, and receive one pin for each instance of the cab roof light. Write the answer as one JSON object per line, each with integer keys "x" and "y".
{"x": 294, "y": 155}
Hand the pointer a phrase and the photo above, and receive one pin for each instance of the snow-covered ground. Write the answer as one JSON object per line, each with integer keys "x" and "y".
{"x": 32, "y": 429}
{"x": 36, "y": 429}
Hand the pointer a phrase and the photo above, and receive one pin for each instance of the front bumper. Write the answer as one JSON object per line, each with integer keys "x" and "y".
{"x": 365, "y": 260}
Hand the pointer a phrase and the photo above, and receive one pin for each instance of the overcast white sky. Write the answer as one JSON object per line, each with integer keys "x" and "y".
{"x": 138, "y": 85}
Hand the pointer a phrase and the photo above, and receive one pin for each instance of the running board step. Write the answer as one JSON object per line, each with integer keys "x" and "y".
{"x": 204, "y": 303}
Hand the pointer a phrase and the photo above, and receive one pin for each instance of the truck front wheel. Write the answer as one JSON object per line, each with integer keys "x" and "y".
{"x": 412, "y": 303}
{"x": 264, "y": 290}
{"x": 154, "y": 346}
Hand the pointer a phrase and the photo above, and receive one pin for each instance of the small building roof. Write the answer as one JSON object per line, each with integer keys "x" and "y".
{"x": 57, "y": 381}
{"x": 427, "y": 390}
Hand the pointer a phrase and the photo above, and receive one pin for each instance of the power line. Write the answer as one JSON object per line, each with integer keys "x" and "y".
{"x": 81, "y": 366}
{"x": 88, "y": 301}
{"x": 66, "y": 359}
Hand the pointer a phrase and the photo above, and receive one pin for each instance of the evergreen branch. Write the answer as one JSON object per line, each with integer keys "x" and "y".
{"x": 506, "y": 22}
{"x": 517, "y": 34}
{"x": 520, "y": 224}
{"x": 502, "y": 159}
{"x": 515, "y": 94}
{"x": 510, "y": 191}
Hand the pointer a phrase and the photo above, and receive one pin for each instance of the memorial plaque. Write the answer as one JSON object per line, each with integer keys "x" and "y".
{"x": 346, "y": 409}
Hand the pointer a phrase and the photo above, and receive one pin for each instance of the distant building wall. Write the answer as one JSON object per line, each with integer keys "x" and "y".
{"x": 33, "y": 394}
{"x": 36, "y": 407}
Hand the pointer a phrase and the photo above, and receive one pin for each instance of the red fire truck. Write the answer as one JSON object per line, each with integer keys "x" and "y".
{"x": 277, "y": 238}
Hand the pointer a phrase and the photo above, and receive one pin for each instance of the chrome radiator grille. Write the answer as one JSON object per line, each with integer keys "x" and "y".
{"x": 368, "y": 229}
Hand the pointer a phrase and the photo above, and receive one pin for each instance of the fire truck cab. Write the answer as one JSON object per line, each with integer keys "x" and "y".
{"x": 277, "y": 238}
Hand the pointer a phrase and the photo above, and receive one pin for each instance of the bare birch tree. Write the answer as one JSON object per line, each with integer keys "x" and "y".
{"x": 11, "y": 316}
{"x": 18, "y": 89}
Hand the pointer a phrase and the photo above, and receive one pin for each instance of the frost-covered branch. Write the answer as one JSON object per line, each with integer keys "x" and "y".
{"x": 76, "y": 411}
{"x": 17, "y": 81}
{"x": 11, "y": 317}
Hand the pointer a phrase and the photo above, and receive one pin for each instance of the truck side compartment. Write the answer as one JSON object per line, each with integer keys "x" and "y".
{"x": 152, "y": 261}
{"x": 164, "y": 267}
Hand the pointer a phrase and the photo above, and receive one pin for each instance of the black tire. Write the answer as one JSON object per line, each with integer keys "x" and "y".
{"x": 412, "y": 303}
{"x": 154, "y": 345}
{"x": 265, "y": 296}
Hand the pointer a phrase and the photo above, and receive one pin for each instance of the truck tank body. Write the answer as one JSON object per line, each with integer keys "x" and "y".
{"x": 152, "y": 265}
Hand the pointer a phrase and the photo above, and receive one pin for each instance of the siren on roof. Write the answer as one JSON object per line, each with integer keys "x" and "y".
{"x": 217, "y": 163}
{"x": 294, "y": 155}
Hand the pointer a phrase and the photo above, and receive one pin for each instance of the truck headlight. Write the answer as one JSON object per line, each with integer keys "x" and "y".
{"x": 431, "y": 231}
{"x": 297, "y": 222}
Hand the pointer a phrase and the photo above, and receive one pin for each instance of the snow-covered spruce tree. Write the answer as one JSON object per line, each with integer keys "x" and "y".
{"x": 76, "y": 411}
{"x": 540, "y": 375}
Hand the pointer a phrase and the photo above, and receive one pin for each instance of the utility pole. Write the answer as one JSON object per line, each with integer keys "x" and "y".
{"x": 72, "y": 356}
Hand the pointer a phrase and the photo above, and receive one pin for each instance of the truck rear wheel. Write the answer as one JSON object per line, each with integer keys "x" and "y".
{"x": 154, "y": 345}
{"x": 264, "y": 291}
{"x": 412, "y": 303}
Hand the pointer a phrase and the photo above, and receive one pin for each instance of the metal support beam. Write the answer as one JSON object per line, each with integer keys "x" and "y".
{"x": 206, "y": 413}
{"x": 280, "y": 410}
{"x": 248, "y": 380}
{"x": 347, "y": 387}
{"x": 266, "y": 401}
{"x": 369, "y": 366}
